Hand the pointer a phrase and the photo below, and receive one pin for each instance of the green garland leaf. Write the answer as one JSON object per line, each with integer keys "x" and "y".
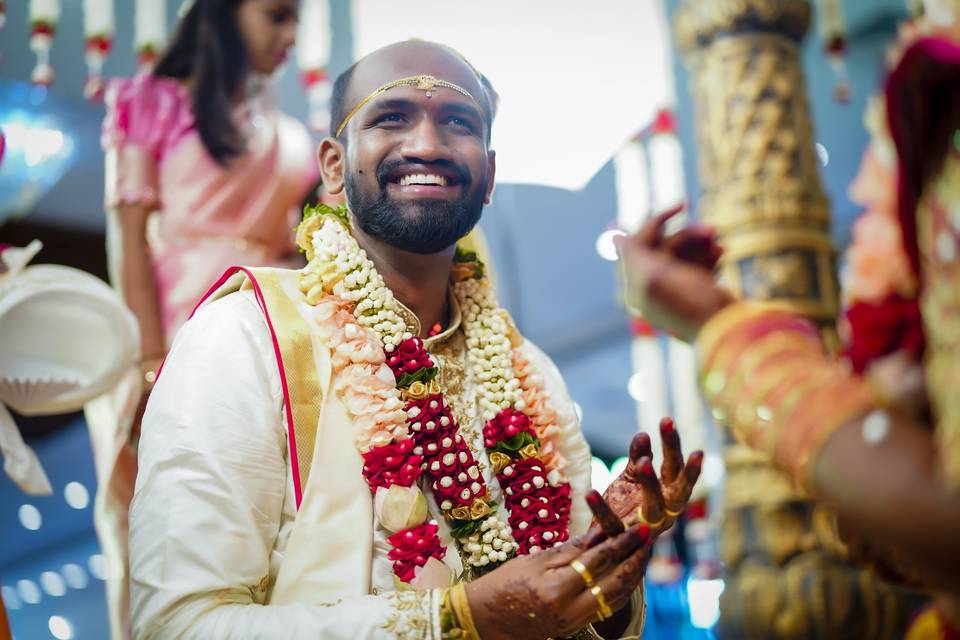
{"x": 514, "y": 444}
{"x": 424, "y": 374}
{"x": 339, "y": 212}
{"x": 462, "y": 256}
{"x": 467, "y": 529}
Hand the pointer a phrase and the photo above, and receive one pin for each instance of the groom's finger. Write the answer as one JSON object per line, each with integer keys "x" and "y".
{"x": 672, "y": 451}
{"x": 652, "y": 510}
{"x": 640, "y": 447}
{"x": 608, "y": 520}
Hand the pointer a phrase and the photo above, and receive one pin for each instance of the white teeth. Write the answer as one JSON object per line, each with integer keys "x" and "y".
{"x": 423, "y": 178}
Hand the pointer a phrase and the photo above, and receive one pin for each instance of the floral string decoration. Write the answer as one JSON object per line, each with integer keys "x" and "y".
{"x": 44, "y": 16}
{"x": 149, "y": 30}
{"x": 98, "y": 25}
{"x": 408, "y": 435}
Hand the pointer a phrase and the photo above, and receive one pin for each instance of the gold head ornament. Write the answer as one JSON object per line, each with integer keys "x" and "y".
{"x": 421, "y": 82}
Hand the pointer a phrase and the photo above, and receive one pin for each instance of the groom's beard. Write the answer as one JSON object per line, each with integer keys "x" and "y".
{"x": 423, "y": 226}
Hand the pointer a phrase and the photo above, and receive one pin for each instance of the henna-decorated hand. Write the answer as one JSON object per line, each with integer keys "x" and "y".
{"x": 638, "y": 487}
{"x": 669, "y": 279}
{"x": 541, "y": 596}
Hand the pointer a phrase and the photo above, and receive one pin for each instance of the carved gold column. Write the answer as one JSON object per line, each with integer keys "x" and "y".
{"x": 787, "y": 574}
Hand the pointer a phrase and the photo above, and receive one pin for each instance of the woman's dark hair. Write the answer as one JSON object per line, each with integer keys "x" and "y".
{"x": 207, "y": 48}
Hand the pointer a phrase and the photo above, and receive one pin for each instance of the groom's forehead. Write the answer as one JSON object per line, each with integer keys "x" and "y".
{"x": 407, "y": 59}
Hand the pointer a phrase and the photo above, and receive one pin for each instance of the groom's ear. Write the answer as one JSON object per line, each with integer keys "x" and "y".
{"x": 330, "y": 157}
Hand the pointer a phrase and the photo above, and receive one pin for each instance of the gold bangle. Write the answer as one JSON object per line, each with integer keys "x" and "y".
{"x": 717, "y": 327}
{"x": 672, "y": 513}
{"x": 578, "y": 566}
{"x": 742, "y": 370}
{"x": 463, "y": 612}
{"x": 603, "y": 609}
{"x": 643, "y": 520}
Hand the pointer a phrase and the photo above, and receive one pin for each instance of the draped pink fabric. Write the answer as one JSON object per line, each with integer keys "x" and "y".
{"x": 211, "y": 217}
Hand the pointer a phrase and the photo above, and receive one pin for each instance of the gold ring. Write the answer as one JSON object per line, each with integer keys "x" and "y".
{"x": 673, "y": 514}
{"x": 603, "y": 609}
{"x": 652, "y": 525}
{"x": 577, "y": 566}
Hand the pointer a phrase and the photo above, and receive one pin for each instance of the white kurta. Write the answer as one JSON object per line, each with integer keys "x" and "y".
{"x": 214, "y": 505}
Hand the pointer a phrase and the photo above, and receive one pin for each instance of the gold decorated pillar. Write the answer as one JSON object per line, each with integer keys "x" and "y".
{"x": 787, "y": 574}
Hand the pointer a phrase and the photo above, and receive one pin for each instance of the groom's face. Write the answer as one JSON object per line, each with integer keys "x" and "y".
{"x": 417, "y": 167}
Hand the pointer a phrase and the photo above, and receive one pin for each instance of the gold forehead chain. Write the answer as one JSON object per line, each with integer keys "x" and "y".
{"x": 422, "y": 82}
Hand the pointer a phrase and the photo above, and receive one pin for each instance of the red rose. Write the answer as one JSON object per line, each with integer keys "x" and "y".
{"x": 506, "y": 425}
{"x": 412, "y": 548}
{"x": 391, "y": 464}
{"x": 536, "y": 521}
{"x": 409, "y": 357}
{"x": 455, "y": 473}
{"x": 560, "y": 499}
{"x": 523, "y": 477}
{"x": 877, "y": 330}
{"x": 428, "y": 423}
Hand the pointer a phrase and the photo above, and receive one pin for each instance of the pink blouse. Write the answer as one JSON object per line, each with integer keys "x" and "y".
{"x": 210, "y": 217}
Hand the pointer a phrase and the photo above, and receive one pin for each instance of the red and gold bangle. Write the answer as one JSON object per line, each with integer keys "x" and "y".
{"x": 732, "y": 316}
{"x": 742, "y": 323}
{"x": 805, "y": 379}
{"x": 766, "y": 370}
{"x": 726, "y": 357}
{"x": 772, "y": 377}
{"x": 818, "y": 418}
{"x": 743, "y": 375}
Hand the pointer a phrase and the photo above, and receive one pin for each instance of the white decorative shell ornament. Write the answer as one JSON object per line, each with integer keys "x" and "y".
{"x": 65, "y": 338}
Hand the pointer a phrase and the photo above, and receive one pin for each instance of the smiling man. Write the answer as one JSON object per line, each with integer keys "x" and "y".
{"x": 367, "y": 448}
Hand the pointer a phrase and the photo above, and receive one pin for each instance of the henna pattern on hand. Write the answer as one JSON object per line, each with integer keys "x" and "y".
{"x": 518, "y": 611}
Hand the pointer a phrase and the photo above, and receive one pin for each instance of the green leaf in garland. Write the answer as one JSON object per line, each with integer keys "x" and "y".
{"x": 514, "y": 444}
{"x": 424, "y": 374}
{"x": 465, "y": 530}
{"x": 462, "y": 256}
{"x": 339, "y": 212}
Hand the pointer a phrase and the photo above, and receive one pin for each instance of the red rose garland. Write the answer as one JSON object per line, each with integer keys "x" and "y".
{"x": 433, "y": 446}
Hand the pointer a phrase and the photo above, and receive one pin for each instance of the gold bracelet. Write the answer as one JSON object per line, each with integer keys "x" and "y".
{"x": 456, "y": 617}
{"x": 741, "y": 330}
{"x": 751, "y": 357}
{"x": 817, "y": 422}
{"x": 729, "y": 358}
{"x": 717, "y": 327}
{"x": 783, "y": 410}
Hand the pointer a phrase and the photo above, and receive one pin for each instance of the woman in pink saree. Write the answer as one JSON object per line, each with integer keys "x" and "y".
{"x": 202, "y": 173}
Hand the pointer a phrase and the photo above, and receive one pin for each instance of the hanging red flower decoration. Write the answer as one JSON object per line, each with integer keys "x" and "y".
{"x": 412, "y": 548}
{"x": 392, "y": 464}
